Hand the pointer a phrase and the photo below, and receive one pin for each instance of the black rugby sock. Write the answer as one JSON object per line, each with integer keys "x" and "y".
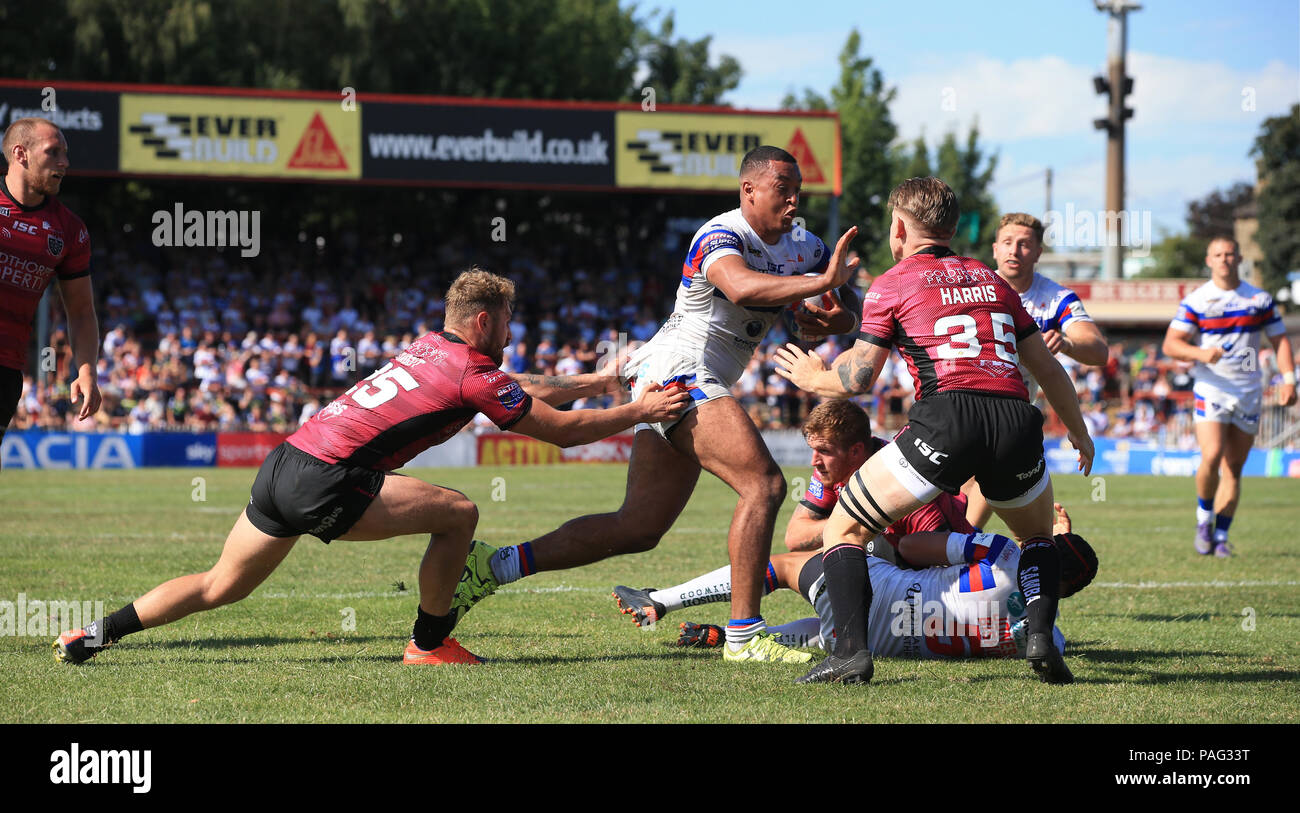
{"x": 848, "y": 586}
{"x": 431, "y": 629}
{"x": 1039, "y": 579}
{"x": 120, "y": 624}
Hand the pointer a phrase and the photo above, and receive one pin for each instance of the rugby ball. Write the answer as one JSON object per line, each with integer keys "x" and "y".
{"x": 824, "y": 301}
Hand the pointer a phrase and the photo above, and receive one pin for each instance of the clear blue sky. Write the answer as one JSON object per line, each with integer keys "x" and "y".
{"x": 1023, "y": 70}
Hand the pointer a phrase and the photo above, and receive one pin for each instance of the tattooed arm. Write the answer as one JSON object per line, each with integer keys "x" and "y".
{"x": 561, "y": 389}
{"x": 853, "y": 373}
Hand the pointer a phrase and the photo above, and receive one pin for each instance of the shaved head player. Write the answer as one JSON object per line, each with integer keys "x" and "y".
{"x": 41, "y": 240}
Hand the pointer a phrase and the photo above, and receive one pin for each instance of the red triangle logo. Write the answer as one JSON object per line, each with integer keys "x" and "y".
{"x": 798, "y": 147}
{"x": 317, "y": 148}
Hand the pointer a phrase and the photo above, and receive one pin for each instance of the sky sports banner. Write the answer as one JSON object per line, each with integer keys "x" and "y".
{"x": 476, "y": 144}
{"x": 88, "y": 119}
{"x": 291, "y": 138}
{"x": 672, "y": 150}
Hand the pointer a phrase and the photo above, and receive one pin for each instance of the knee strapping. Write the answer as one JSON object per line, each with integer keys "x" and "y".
{"x": 860, "y": 505}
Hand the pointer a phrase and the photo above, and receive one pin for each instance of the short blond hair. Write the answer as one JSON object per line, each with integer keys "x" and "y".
{"x": 1021, "y": 219}
{"x": 842, "y": 422}
{"x": 23, "y": 131}
{"x": 930, "y": 202}
{"x": 475, "y": 291}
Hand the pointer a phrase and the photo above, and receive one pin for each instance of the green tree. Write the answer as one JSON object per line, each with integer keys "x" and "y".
{"x": 1215, "y": 214}
{"x": 1183, "y": 254}
{"x": 540, "y": 49}
{"x": 1177, "y": 255}
{"x": 867, "y": 130}
{"x": 1277, "y": 157}
{"x": 969, "y": 171}
{"x": 679, "y": 69}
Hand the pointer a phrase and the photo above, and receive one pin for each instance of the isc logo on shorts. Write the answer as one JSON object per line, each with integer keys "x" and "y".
{"x": 930, "y": 452}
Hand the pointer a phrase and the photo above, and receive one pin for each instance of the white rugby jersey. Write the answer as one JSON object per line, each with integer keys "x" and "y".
{"x": 1233, "y": 320}
{"x": 707, "y": 327}
{"x": 1052, "y": 306}
{"x": 963, "y": 610}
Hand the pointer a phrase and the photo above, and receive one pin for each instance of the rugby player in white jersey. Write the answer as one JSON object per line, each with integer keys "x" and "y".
{"x": 743, "y": 267}
{"x": 960, "y": 601}
{"x": 1218, "y": 327}
{"x": 1067, "y": 327}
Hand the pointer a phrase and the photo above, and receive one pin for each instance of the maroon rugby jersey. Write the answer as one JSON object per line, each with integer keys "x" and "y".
{"x": 36, "y": 242}
{"x": 426, "y": 394}
{"x": 956, "y": 323}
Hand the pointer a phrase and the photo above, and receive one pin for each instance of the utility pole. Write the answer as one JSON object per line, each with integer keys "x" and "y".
{"x": 1118, "y": 85}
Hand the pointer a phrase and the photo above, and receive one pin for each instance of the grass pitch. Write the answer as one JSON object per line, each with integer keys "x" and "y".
{"x": 1162, "y": 635}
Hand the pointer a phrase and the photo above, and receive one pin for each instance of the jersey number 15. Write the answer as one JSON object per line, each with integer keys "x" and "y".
{"x": 381, "y": 386}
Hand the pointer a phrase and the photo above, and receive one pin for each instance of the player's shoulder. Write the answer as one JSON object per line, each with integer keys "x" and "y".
{"x": 1201, "y": 294}
{"x": 722, "y": 233}
{"x": 1045, "y": 287}
{"x": 1255, "y": 295}
{"x": 816, "y": 487}
{"x": 732, "y": 221}
{"x": 60, "y": 210}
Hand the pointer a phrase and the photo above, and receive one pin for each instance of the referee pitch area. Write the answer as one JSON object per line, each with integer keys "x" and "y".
{"x": 1162, "y": 635}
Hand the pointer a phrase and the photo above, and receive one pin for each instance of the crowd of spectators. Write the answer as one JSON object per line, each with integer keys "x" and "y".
{"x": 199, "y": 341}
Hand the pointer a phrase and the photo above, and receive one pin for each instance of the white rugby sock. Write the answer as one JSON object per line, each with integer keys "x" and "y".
{"x": 804, "y": 632}
{"x": 711, "y": 587}
{"x": 740, "y": 630}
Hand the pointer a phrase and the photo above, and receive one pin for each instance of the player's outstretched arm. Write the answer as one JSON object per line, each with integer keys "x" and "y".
{"x": 853, "y": 372}
{"x": 588, "y": 425}
{"x": 744, "y": 286}
{"x": 558, "y": 390}
{"x": 1049, "y": 374}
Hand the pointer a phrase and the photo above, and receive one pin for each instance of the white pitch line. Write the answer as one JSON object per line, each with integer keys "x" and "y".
{"x": 1170, "y": 585}
{"x": 564, "y": 588}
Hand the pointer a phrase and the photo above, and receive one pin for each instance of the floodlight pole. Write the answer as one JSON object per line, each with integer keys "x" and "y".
{"x": 1118, "y": 86}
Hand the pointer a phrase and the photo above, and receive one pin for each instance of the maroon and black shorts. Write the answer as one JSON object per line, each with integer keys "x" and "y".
{"x": 296, "y": 493}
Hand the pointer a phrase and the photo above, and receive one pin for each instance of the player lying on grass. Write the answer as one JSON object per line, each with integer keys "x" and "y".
{"x": 963, "y": 333}
{"x": 334, "y": 478}
{"x": 963, "y": 602}
{"x": 839, "y": 434}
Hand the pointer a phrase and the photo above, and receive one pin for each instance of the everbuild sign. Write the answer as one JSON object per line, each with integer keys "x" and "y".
{"x": 88, "y": 120}
{"x": 134, "y": 130}
{"x": 239, "y": 136}
{"x": 703, "y": 151}
{"x": 515, "y": 145}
